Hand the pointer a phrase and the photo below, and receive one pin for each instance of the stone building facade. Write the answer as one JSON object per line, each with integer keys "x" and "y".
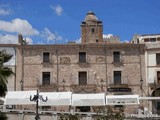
{"x": 152, "y": 62}
{"x": 93, "y": 66}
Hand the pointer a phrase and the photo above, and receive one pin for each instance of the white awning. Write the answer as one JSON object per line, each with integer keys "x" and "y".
{"x": 56, "y": 98}
{"x": 88, "y": 99}
{"x": 149, "y": 98}
{"x": 122, "y": 99}
{"x": 19, "y": 98}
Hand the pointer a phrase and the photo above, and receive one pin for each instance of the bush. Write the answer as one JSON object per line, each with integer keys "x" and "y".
{"x": 3, "y": 116}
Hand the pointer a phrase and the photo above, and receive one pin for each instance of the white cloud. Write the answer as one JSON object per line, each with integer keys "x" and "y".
{"x": 5, "y": 11}
{"x": 78, "y": 40}
{"x": 57, "y": 9}
{"x": 12, "y": 39}
{"x": 19, "y": 26}
{"x": 46, "y": 33}
{"x": 107, "y": 36}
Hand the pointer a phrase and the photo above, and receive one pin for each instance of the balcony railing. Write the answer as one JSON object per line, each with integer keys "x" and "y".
{"x": 121, "y": 81}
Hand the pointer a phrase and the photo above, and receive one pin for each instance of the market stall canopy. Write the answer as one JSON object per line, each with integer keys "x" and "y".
{"x": 149, "y": 98}
{"x": 56, "y": 98}
{"x": 88, "y": 99}
{"x": 122, "y": 99}
{"x": 19, "y": 98}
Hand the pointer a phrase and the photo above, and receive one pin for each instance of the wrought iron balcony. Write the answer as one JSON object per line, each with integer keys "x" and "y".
{"x": 118, "y": 82}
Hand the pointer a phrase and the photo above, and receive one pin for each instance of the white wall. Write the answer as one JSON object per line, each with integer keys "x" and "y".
{"x": 151, "y": 66}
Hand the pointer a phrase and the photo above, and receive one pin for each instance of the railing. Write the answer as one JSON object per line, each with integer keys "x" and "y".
{"x": 118, "y": 81}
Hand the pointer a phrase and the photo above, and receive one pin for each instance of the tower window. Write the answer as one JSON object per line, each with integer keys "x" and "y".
{"x": 93, "y": 30}
{"x": 82, "y": 78}
{"x": 82, "y": 56}
{"x": 97, "y": 40}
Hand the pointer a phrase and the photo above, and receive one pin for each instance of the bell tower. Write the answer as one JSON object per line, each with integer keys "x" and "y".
{"x": 91, "y": 29}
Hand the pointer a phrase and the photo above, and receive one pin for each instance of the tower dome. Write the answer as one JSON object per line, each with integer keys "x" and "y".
{"x": 90, "y": 17}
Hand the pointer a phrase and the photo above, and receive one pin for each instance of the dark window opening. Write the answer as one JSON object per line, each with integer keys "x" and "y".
{"x": 158, "y": 58}
{"x": 46, "y": 108}
{"x": 158, "y": 77}
{"x": 146, "y": 40}
{"x": 116, "y": 56}
{"x": 97, "y": 40}
{"x": 83, "y": 109}
{"x": 158, "y": 105}
{"x": 82, "y": 78}
{"x": 117, "y": 77}
{"x": 46, "y": 78}
{"x": 82, "y": 57}
{"x": 93, "y": 30}
{"x": 152, "y": 39}
{"x": 46, "y": 56}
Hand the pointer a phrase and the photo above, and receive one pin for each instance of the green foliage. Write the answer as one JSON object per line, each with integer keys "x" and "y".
{"x": 3, "y": 116}
{"x": 111, "y": 113}
{"x": 5, "y": 72}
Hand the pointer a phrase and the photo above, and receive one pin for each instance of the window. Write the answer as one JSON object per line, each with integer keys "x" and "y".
{"x": 46, "y": 56}
{"x": 45, "y": 108}
{"x": 158, "y": 39}
{"x": 116, "y": 56}
{"x": 158, "y": 58}
{"x": 82, "y": 57}
{"x": 158, "y": 77}
{"x": 152, "y": 39}
{"x": 82, "y": 78}
{"x": 158, "y": 105}
{"x": 117, "y": 77}
{"x": 46, "y": 78}
{"x": 93, "y": 30}
{"x": 146, "y": 40}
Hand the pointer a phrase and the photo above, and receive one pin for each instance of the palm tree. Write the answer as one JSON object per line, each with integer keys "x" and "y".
{"x": 5, "y": 72}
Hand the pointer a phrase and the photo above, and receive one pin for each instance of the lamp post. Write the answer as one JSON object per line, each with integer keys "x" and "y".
{"x": 102, "y": 84}
{"x": 36, "y": 99}
{"x": 141, "y": 83}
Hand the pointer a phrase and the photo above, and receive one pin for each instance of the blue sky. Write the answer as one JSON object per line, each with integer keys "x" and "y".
{"x": 44, "y": 21}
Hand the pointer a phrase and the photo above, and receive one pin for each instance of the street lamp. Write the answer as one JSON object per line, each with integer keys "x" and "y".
{"x": 141, "y": 82}
{"x": 36, "y": 99}
{"x": 21, "y": 83}
{"x": 102, "y": 84}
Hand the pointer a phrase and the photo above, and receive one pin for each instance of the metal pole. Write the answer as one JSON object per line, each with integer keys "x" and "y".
{"x": 37, "y": 115}
{"x": 36, "y": 99}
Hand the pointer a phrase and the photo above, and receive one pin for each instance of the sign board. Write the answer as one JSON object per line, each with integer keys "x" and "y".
{"x": 119, "y": 89}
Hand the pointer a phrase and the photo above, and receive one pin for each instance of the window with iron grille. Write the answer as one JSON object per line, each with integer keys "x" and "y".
{"x": 82, "y": 78}
{"x": 158, "y": 58}
{"x": 46, "y": 56}
{"x": 117, "y": 77}
{"x": 116, "y": 56}
{"x": 46, "y": 78}
{"x": 82, "y": 56}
